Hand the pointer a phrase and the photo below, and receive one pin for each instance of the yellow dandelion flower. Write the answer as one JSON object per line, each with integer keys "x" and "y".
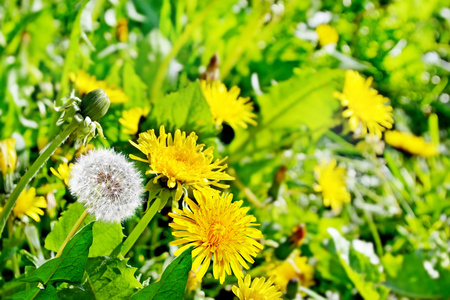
{"x": 86, "y": 83}
{"x": 179, "y": 160}
{"x": 226, "y": 106}
{"x": 131, "y": 118}
{"x": 63, "y": 172}
{"x": 122, "y": 30}
{"x": 327, "y": 34}
{"x": 366, "y": 109}
{"x": 30, "y": 205}
{"x": 331, "y": 183}
{"x": 219, "y": 230}
{"x": 295, "y": 267}
{"x": 192, "y": 281}
{"x": 8, "y": 156}
{"x": 84, "y": 149}
{"x": 408, "y": 142}
{"x": 258, "y": 289}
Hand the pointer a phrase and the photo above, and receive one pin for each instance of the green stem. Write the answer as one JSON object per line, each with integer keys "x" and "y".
{"x": 72, "y": 232}
{"x": 310, "y": 293}
{"x": 35, "y": 167}
{"x": 162, "y": 69}
{"x": 15, "y": 263}
{"x": 251, "y": 197}
{"x": 140, "y": 227}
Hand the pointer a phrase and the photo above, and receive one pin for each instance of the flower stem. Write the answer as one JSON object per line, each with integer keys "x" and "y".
{"x": 72, "y": 232}
{"x": 35, "y": 167}
{"x": 140, "y": 227}
{"x": 310, "y": 293}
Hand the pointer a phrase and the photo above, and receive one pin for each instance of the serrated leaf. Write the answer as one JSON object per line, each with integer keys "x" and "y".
{"x": 185, "y": 109}
{"x": 173, "y": 280}
{"x": 111, "y": 278}
{"x": 106, "y": 236}
{"x": 49, "y": 293}
{"x": 69, "y": 267}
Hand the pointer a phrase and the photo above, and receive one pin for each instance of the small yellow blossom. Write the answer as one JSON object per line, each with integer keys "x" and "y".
{"x": 86, "y": 83}
{"x": 327, "y": 34}
{"x": 131, "y": 118}
{"x": 122, "y": 30}
{"x": 331, "y": 183}
{"x": 179, "y": 160}
{"x": 63, "y": 172}
{"x": 295, "y": 267}
{"x": 192, "y": 281}
{"x": 8, "y": 156}
{"x": 30, "y": 205}
{"x": 220, "y": 230}
{"x": 84, "y": 149}
{"x": 258, "y": 289}
{"x": 408, "y": 142}
{"x": 366, "y": 108}
{"x": 226, "y": 106}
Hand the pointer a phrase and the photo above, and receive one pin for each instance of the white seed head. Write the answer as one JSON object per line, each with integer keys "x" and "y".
{"x": 107, "y": 184}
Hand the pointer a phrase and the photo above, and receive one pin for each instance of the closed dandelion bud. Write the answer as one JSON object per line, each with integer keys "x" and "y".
{"x": 107, "y": 184}
{"x": 8, "y": 156}
{"x": 95, "y": 105}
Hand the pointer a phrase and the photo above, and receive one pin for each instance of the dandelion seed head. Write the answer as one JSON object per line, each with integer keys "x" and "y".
{"x": 107, "y": 184}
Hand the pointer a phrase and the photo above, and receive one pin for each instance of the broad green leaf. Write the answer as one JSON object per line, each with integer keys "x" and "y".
{"x": 304, "y": 100}
{"x": 106, "y": 235}
{"x": 69, "y": 267}
{"x": 108, "y": 278}
{"x": 111, "y": 278}
{"x": 407, "y": 276}
{"x": 173, "y": 281}
{"x": 133, "y": 86}
{"x": 49, "y": 293}
{"x": 364, "y": 274}
{"x": 185, "y": 109}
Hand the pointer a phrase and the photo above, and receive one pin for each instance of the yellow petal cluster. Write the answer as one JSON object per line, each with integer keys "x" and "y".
{"x": 295, "y": 267}
{"x": 131, "y": 118}
{"x": 62, "y": 172}
{"x": 327, "y": 34}
{"x": 86, "y": 83}
{"x": 226, "y": 106}
{"x": 331, "y": 183}
{"x": 179, "y": 160}
{"x": 220, "y": 230}
{"x": 258, "y": 289}
{"x": 30, "y": 205}
{"x": 366, "y": 109}
{"x": 8, "y": 156}
{"x": 408, "y": 142}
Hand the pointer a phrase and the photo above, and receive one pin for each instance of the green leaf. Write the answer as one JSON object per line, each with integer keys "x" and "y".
{"x": 108, "y": 278}
{"x": 304, "y": 100}
{"x": 364, "y": 274}
{"x": 111, "y": 278}
{"x": 407, "y": 276}
{"x": 69, "y": 267}
{"x": 49, "y": 293}
{"x": 107, "y": 236}
{"x": 185, "y": 109}
{"x": 173, "y": 280}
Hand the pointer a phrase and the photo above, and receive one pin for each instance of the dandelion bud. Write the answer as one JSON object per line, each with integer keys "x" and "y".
{"x": 107, "y": 184}
{"x": 95, "y": 105}
{"x": 8, "y": 156}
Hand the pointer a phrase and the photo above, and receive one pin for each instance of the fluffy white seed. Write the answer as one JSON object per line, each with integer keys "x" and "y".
{"x": 107, "y": 184}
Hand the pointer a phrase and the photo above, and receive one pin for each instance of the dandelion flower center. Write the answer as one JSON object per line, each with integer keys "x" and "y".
{"x": 220, "y": 230}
